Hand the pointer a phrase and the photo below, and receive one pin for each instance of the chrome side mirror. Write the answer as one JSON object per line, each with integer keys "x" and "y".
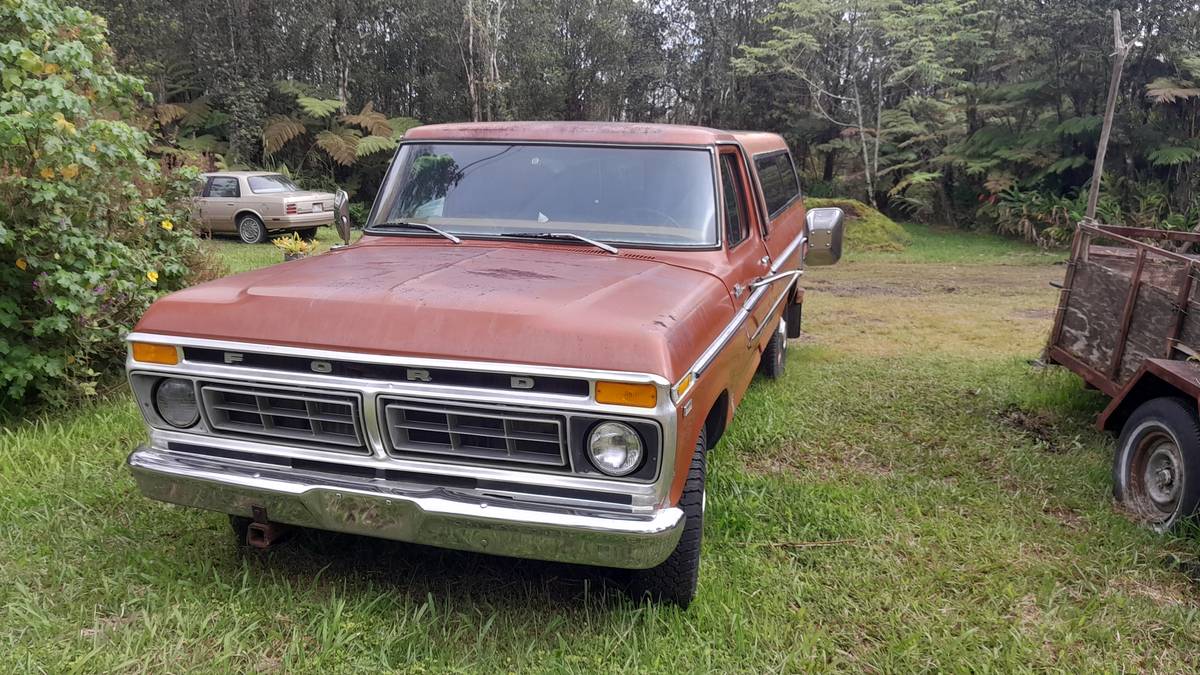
{"x": 825, "y": 228}
{"x": 341, "y": 215}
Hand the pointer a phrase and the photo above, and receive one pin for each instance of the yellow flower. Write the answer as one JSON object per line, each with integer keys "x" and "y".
{"x": 69, "y": 171}
{"x": 47, "y": 173}
{"x": 63, "y": 124}
{"x": 21, "y": 264}
{"x": 141, "y": 220}
{"x": 167, "y": 224}
{"x": 50, "y": 68}
{"x": 152, "y": 276}
{"x": 92, "y": 147}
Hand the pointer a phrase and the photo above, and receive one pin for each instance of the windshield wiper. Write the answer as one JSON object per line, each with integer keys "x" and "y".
{"x": 560, "y": 236}
{"x": 410, "y": 224}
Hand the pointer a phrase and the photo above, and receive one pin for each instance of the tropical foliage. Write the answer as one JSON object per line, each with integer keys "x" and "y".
{"x": 89, "y": 227}
{"x": 972, "y": 112}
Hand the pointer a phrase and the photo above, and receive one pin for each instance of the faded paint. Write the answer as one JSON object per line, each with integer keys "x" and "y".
{"x": 644, "y": 310}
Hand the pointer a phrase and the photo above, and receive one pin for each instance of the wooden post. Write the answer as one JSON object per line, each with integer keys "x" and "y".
{"x": 1113, "y": 85}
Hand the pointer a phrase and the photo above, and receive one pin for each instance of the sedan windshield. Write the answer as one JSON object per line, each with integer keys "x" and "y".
{"x": 272, "y": 183}
{"x": 649, "y": 196}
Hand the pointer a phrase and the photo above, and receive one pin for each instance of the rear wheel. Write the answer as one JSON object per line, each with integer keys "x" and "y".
{"x": 792, "y": 316}
{"x": 674, "y": 579}
{"x": 1156, "y": 471}
{"x": 774, "y": 357}
{"x": 251, "y": 230}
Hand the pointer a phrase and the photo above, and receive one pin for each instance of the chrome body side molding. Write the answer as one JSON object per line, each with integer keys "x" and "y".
{"x": 761, "y": 287}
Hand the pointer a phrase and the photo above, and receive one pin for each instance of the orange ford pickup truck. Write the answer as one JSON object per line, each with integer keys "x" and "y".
{"x": 541, "y": 333}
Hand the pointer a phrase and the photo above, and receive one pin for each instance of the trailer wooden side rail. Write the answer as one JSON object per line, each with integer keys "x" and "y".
{"x": 1128, "y": 323}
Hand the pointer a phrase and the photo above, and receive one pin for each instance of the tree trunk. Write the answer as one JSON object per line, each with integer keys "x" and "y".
{"x": 1109, "y": 110}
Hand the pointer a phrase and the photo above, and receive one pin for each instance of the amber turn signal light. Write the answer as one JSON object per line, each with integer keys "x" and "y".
{"x": 146, "y": 352}
{"x": 624, "y": 393}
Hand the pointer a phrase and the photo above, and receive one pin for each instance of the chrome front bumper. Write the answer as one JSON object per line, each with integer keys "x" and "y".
{"x": 413, "y": 513}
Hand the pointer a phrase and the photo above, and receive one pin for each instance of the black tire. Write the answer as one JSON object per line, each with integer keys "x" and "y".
{"x": 1156, "y": 470}
{"x": 774, "y": 357}
{"x": 308, "y": 233}
{"x": 250, "y": 229}
{"x": 673, "y": 581}
{"x": 792, "y": 316}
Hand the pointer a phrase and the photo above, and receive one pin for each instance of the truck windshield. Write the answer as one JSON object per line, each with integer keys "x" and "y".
{"x": 648, "y": 196}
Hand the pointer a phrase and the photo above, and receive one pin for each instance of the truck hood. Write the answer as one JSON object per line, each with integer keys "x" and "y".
{"x": 540, "y": 304}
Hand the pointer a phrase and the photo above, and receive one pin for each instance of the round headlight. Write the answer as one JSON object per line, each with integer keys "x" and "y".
{"x": 175, "y": 401}
{"x": 615, "y": 448}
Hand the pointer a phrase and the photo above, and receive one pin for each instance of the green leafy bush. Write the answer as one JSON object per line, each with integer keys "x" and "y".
{"x": 91, "y": 230}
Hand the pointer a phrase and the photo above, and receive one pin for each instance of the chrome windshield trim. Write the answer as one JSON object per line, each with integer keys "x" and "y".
{"x": 389, "y": 184}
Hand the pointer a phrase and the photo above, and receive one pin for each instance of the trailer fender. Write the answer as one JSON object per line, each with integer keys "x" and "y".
{"x": 1156, "y": 378}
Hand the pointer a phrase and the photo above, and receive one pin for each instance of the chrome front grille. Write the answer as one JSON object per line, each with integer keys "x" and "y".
{"x": 294, "y": 415}
{"x": 469, "y": 433}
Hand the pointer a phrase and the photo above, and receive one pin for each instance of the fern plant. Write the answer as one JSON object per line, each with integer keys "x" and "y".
{"x": 317, "y": 124}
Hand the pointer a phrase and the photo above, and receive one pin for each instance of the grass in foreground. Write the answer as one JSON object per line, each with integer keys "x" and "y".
{"x": 912, "y": 496}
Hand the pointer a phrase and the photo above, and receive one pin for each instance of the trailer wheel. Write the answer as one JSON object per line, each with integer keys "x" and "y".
{"x": 1156, "y": 471}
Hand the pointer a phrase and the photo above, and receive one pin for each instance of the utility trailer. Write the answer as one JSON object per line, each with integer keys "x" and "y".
{"x": 1128, "y": 323}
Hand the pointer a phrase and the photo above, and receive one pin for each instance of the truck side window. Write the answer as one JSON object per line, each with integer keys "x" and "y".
{"x": 778, "y": 178}
{"x": 736, "y": 227}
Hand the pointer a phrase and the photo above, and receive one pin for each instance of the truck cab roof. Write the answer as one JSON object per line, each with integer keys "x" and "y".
{"x": 600, "y": 133}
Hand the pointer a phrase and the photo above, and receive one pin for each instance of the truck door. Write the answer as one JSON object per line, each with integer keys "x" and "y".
{"x": 784, "y": 208}
{"x": 749, "y": 259}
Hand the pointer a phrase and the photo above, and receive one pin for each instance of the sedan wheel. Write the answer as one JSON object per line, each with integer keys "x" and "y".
{"x": 251, "y": 230}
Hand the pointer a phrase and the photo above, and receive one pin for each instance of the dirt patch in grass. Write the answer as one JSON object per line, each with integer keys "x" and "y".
{"x": 1039, "y": 426}
{"x": 1171, "y": 592}
{"x": 859, "y": 289}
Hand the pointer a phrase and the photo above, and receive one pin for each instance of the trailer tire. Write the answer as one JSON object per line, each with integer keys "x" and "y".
{"x": 1156, "y": 469}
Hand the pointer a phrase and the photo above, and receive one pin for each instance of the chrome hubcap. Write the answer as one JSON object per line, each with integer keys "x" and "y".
{"x": 248, "y": 228}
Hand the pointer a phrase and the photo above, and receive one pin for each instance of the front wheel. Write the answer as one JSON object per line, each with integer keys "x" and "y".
{"x": 251, "y": 230}
{"x": 674, "y": 579}
{"x": 1156, "y": 471}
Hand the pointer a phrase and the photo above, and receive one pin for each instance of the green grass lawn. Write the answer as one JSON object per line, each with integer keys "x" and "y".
{"x": 911, "y": 496}
{"x": 239, "y": 257}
